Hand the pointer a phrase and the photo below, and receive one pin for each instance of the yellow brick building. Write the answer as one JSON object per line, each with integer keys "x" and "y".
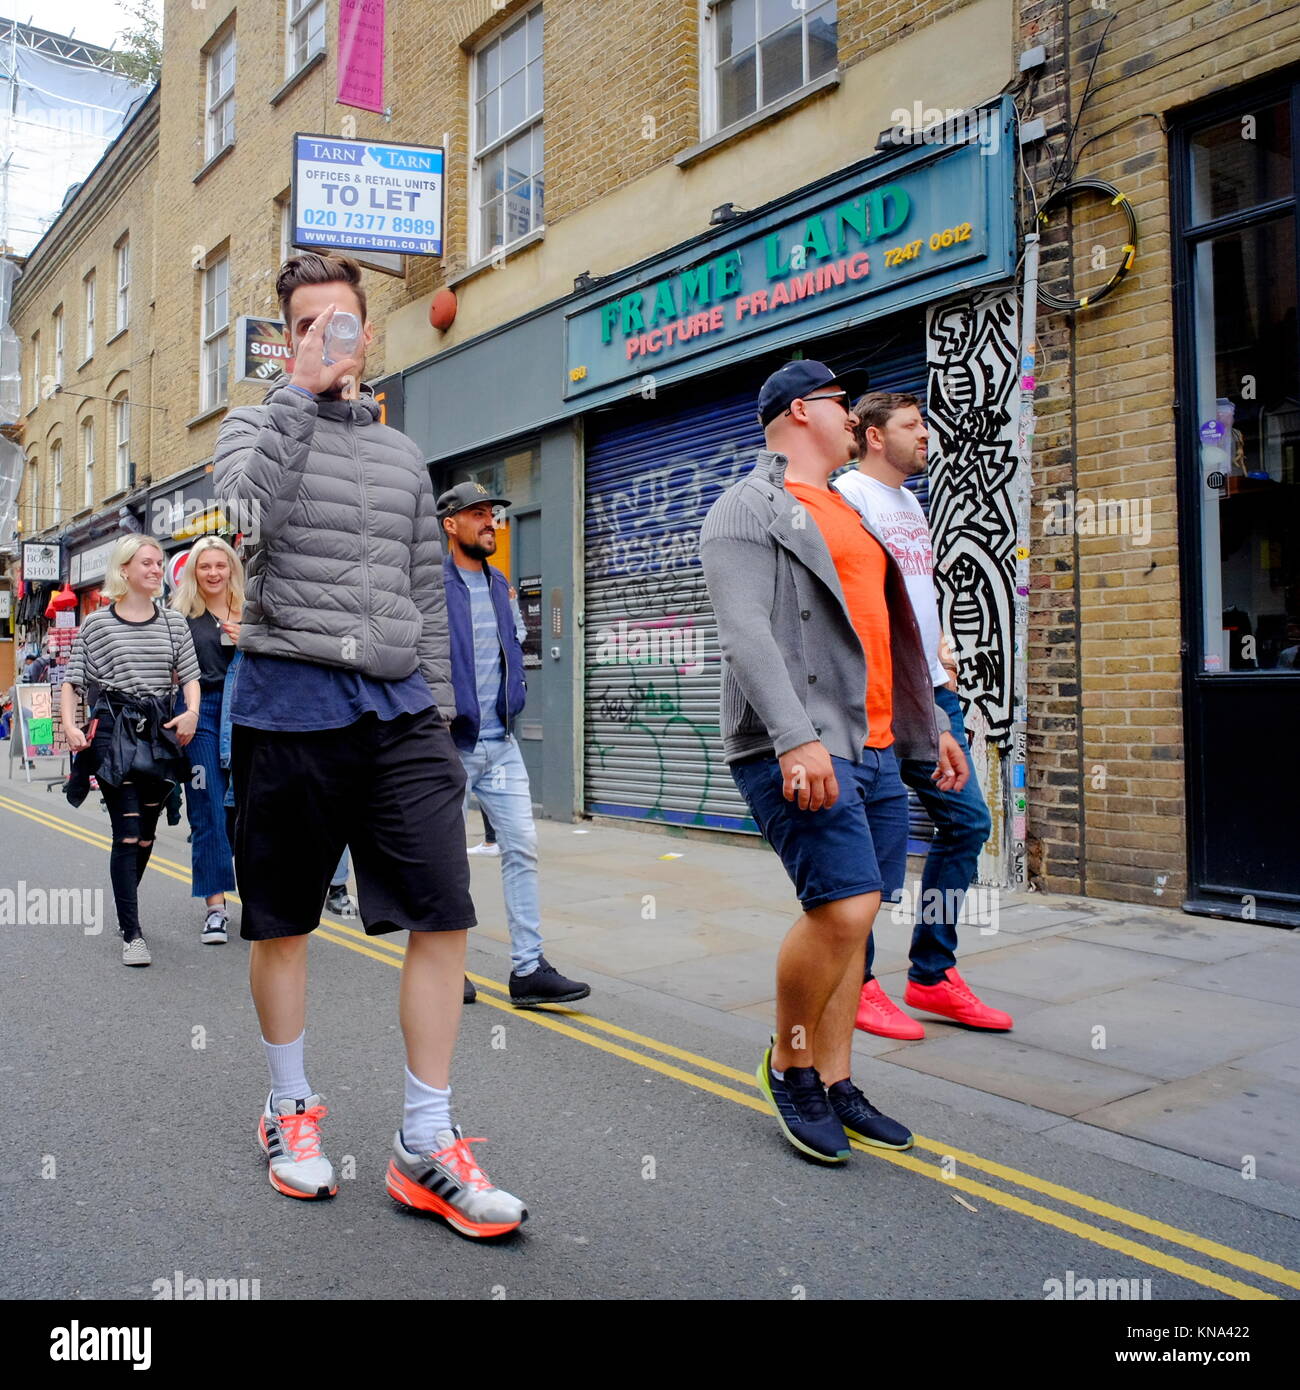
{"x": 603, "y": 164}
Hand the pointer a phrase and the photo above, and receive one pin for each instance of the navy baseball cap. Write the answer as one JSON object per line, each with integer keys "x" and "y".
{"x": 796, "y": 380}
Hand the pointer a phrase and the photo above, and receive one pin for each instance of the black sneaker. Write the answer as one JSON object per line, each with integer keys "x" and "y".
{"x": 471, "y": 994}
{"x": 861, "y": 1119}
{"x": 545, "y": 985}
{"x": 799, "y": 1103}
{"x": 340, "y": 902}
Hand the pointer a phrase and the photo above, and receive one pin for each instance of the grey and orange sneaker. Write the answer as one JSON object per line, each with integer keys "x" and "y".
{"x": 450, "y": 1184}
{"x": 289, "y": 1135}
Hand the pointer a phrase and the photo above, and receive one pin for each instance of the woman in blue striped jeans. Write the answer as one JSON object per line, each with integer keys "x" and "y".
{"x": 211, "y": 596}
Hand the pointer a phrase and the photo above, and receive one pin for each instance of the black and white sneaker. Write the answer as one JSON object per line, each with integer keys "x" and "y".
{"x": 214, "y": 927}
{"x": 340, "y": 902}
{"x": 545, "y": 985}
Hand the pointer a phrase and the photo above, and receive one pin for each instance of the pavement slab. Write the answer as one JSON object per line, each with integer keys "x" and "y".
{"x": 1224, "y": 1115}
{"x": 1271, "y": 975}
{"x": 1005, "y": 1067}
{"x": 1160, "y": 1029}
{"x": 722, "y": 981}
{"x": 1189, "y": 938}
{"x": 1060, "y": 971}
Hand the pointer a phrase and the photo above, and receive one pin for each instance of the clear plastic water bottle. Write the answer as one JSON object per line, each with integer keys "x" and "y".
{"x": 342, "y": 334}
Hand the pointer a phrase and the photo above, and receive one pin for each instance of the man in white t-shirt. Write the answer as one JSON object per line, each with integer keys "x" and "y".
{"x": 892, "y": 442}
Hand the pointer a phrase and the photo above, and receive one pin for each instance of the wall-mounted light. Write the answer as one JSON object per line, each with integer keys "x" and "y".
{"x": 727, "y": 212}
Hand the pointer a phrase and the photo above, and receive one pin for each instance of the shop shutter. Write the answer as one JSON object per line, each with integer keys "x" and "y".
{"x": 653, "y": 746}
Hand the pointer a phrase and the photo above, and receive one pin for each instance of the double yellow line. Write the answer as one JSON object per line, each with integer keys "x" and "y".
{"x": 665, "y": 1058}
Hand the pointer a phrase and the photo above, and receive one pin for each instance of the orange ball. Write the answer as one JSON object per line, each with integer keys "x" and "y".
{"x": 442, "y": 311}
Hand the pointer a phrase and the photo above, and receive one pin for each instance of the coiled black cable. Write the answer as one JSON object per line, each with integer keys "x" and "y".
{"x": 1128, "y": 250}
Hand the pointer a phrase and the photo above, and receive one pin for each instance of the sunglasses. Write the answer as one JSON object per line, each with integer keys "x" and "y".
{"x": 841, "y": 396}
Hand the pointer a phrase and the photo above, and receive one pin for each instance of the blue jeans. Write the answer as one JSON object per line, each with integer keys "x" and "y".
{"x": 211, "y": 863}
{"x": 495, "y": 774}
{"x": 961, "y": 825}
{"x": 340, "y": 879}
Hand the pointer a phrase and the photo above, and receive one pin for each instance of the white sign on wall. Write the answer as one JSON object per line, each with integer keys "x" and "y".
{"x": 42, "y": 561}
{"x": 91, "y": 564}
{"x": 367, "y": 195}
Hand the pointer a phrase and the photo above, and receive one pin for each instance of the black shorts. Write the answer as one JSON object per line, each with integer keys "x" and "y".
{"x": 392, "y": 791}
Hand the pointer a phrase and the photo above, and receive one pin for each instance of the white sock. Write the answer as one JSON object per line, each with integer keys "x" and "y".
{"x": 428, "y": 1110}
{"x": 288, "y": 1076}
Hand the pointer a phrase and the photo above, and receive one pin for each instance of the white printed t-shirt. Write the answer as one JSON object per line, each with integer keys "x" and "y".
{"x": 896, "y": 517}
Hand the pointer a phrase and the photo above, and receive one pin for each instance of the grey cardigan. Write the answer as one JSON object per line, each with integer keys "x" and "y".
{"x": 793, "y": 668}
{"x": 347, "y": 565}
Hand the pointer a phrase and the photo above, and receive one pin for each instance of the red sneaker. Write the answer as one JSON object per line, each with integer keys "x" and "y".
{"x": 878, "y": 1014}
{"x": 952, "y": 998}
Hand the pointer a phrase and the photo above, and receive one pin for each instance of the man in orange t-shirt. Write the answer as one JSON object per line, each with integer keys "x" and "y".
{"x": 823, "y": 670}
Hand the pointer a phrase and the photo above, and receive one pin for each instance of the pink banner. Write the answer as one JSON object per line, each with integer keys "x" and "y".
{"x": 361, "y": 54}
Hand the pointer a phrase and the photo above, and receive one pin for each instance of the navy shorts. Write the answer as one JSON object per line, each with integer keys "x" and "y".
{"x": 858, "y": 846}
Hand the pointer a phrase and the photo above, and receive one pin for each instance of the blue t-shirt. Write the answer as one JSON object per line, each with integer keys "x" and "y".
{"x": 487, "y": 653}
{"x": 287, "y": 696}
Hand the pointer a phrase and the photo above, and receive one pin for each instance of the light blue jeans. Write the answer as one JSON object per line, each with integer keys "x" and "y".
{"x": 495, "y": 774}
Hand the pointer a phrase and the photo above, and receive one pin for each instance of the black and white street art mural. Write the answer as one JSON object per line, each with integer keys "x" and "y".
{"x": 972, "y": 348}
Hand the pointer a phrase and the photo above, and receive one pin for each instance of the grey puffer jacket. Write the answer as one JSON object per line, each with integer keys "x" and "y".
{"x": 346, "y": 565}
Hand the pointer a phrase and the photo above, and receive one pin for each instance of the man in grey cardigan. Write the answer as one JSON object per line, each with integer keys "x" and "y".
{"x": 823, "y": 674}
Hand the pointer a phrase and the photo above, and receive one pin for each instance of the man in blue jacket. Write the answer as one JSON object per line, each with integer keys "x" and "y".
{"x": 487, "y": 672}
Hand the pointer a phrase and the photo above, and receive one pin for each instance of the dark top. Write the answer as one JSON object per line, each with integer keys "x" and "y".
{"x": 213, "y": 657}
{"x": 288, "y": 696}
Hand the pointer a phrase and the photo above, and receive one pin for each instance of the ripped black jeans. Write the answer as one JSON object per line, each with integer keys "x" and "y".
{"x": 134, "y": 809}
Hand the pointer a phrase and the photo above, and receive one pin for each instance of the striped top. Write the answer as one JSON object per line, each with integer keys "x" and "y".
{"x": 112, "y": 653}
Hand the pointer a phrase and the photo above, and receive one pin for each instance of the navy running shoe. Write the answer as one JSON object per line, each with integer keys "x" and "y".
{"x": 799, "y": 1103}
{"x": 861, "y": 1119}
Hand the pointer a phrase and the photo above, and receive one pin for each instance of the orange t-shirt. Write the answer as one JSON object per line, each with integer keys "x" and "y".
{"x": 860, "y": 563}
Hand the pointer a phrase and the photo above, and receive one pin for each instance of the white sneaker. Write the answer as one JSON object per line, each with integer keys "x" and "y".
{"x": 289, "y": 1136}
{"x": 491, "y": 849}
{"x": 135, "y": 952}
{"x": 214, "y": 927}
{"x": 450, "y": 1184}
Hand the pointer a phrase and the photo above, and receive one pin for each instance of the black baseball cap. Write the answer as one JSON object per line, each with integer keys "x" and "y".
{"x": 463, "y": 495}
{"x": 796, "y": 380}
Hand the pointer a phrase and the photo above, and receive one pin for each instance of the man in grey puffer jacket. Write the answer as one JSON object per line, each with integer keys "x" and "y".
{"x": 340, "y": 713}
